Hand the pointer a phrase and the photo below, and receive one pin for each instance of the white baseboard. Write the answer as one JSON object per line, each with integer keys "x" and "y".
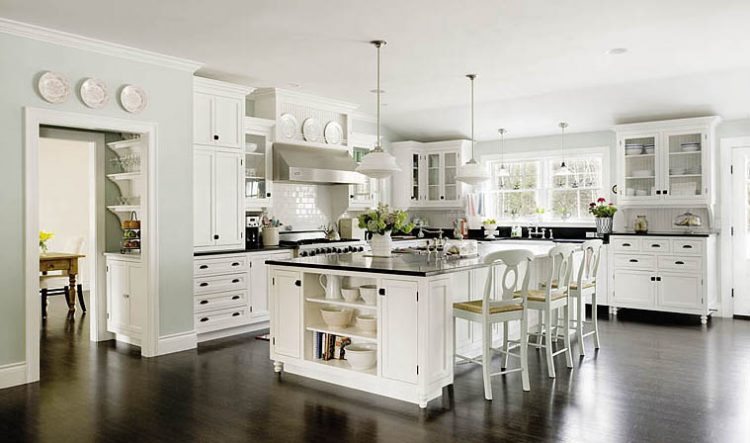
{"x": 221, "y": 333}
{"x": 13, "y": 374}
{"x": 182, "y": 341}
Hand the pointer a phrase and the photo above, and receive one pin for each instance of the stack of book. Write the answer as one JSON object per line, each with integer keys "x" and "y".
{"x": 329, "y": 346}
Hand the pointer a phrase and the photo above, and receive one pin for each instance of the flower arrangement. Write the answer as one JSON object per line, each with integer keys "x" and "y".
{"x": 43, "y": 237}
{"x": 602, "y": 209}
{"x": 490, "y": 221}
{"x": 382, "y": 220}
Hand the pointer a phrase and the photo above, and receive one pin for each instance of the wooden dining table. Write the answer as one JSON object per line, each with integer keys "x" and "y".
{"x": 66, "y": 262}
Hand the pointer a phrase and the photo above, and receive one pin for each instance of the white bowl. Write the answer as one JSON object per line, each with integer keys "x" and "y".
{"x": 251, "y": 147}
{"x": 649, "y": 149}
{"x": 641, "y": 193}
{"x": 361, "y": 356}
{"x": 350, "y": 294}
{"x": 369, "y": 294}
{"x": 367, "y": 322}
{"x": 633, "y": 151}
{"x": 336, "y": 317}
{"x": 690, "y": 147}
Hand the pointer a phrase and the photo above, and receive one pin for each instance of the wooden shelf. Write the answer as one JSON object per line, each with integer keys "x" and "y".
{"x": 344, "y": 365}
{"x": 124, "y": 176}
{"x": 342, "y": 303}
{"x": 351, "y": 332}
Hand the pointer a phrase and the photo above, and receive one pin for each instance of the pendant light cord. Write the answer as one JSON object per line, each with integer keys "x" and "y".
{"x": 377, "y": 142}
{"x": 562, "y": 125}
{"x": 472, "y": 77}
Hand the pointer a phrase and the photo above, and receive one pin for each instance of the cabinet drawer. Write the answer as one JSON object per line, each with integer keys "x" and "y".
{"x": 687, "y": 246}
{"x": 224, "y": 300}
{"x": 214, "y": 320}
{"x": 219, "y": 283}
{"x": 208, "y": 266}
{"x": 687, "y": 264}
{"x": 634, "y": 261}
{"x": 655, "y": 245}
{"x": 626, "y": 244}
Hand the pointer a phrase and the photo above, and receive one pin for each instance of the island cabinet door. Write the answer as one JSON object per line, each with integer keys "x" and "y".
{"x": 399, "y": 330}
{"x": 286, "y": 311}
{"x": 634, "y": 289}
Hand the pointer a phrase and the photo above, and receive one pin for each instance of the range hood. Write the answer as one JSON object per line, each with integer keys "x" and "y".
{"x": 303, "y": 164}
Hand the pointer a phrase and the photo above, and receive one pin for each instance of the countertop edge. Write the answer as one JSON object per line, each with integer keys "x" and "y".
{"x": 243, "y": 251}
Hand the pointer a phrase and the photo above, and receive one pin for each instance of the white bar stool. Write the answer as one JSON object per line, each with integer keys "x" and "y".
{"x": 584, "y": 286}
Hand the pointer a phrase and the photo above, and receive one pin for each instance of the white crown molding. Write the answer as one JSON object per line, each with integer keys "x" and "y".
{"x": 99, "y": 46}
{"x": 211, "y": 86}
{"x": 304, "y": 98}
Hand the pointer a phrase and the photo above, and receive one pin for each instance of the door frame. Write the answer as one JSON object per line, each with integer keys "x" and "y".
{"x": 96, "y": 238}
{"x": 726, "y": 280}
{"x": 34, "y": 118}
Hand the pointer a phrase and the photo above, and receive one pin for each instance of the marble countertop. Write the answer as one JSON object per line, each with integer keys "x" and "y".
{"x": 410, "y": 264}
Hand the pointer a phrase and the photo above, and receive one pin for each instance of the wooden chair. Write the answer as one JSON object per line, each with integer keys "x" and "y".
{"x": 509, "y": 307}
{"x": 552, "y": 296}
{"x": 58, "y": 283}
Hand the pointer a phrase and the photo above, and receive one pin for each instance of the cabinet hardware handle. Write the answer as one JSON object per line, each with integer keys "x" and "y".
{"x": 665, "y": 192}
{"x": 679, "y": 262}
{"x": 626, "y": 245}
{"x": 658, "y": 192}
{"x": 204, "y": 319}
{"x": 351, "y": 195}
{"x": 126, "y": 295}
{"x": 381, "y": 291}
{"x": 235, "y": 314}
{"x": 235, "y": 264}
{"x": 655, "y": 245}
{"x": 442, "y": 197}
{"x": 204, "y": 302}
{"x": 687, "y": 246}
{"x": 216, "y": 236}
{"x": 268, "y": 194}
{"x": 236, "y": 280}
{"x": 653, "y": 278}
{"x": 203, "y": 285}
{"x": 236, "y": 297}
{"x": 216, "y": 137}
{"x": 632, "y": 260}
{"x": 204, "y": 267}
{"x": 658, "y": 278}
{"x": 298, "y": 283}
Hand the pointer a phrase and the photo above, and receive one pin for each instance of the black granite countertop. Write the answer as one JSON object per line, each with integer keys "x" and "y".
{"x": 241, "y": 251}
{"x": 665, "y": 234}
{"x": 406, "y": 264}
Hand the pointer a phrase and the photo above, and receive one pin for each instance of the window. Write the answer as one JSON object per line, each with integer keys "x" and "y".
{"x": 533, "y": 192}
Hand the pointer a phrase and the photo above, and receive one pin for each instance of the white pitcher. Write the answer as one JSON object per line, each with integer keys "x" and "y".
{"x": 332, "y": 285}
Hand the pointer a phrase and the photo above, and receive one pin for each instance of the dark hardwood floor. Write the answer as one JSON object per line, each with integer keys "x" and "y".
{"x": 657, "y": 378}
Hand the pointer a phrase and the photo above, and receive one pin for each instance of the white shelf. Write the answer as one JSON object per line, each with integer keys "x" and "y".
{"x": 639, "y": 155}
{"x": 254, "y": 178}
{"x": 124, "y": 176}
{"x": 126, "y": 144}
{"x": 344, "y": 365}
{"x": 647, "y": 177}
{"x": 342, "y": 303}
{"x": 124, "y": 208}
{"x": 351, "y": 332}
{"x": 685, "y": 175}
{"x": 259, "y": 154}
{"x": 685, "y": 153}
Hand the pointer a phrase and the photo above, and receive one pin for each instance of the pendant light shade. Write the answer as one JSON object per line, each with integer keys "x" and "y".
{"x": 503, "y": 171}
{"x": 563, "y": 171}
{"x": 472, "y": 173}
{"x": 378, "y": 163}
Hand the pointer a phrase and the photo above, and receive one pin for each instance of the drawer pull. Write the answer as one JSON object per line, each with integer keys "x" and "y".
{"x": 235, "y": 264}
{"x": 204, "y": 319}
{"x": 298, "y": 283}
{"x": 679, "y": 262}
{"x": 236, "y": 280}
{"x": 236, "y": 314}
{"x": 658, "y": 278}
{"x": 687, "y": 246}
{"x": 626, "y": 245}
{"x": 204, "y": 267}
{"x": 204, "y": 302}
{"x": 653, "y": 278}
{"x": 656, "y": 245}
{"x": 203, "y": 285}
{"x": 632, "y": 260}
{"x": 236, "y": 297}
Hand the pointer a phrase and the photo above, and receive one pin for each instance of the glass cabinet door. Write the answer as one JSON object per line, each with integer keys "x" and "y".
{"x": 256, "y": 190}
{"x": 684, "y": 165}
{"x": 640, "y": 167}
{"x": 450, "y": 164}
{"x": 415, "y": 176}
{"x": 433, "y": 177}
{"x": 361, "y": 193}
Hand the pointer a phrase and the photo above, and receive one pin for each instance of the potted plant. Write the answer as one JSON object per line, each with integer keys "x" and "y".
{"x": 603, "y": 213}
{"x": 43, "y": 238}
{"x": 379, "y": 223}
{"x": 490, "y": 226}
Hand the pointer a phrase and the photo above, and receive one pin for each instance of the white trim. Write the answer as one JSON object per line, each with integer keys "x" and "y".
{"x": 182, "y": 341}
{"x": 364, "y": 117}
{"x": 61, "y": 38}
{"x": 260, "y": 325}
{"x": 211, "y": 86}
{"x": 726, "y": 269}
{"x": 13, "y": 374}
{"x": 33, "y": 119}
{"x": 323, "y": 103}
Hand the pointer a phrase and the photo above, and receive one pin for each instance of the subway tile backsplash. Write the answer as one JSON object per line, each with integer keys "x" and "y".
{"x": 302, "y": 206}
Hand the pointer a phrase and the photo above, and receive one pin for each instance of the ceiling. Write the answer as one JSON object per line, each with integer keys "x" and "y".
{"x": 538, "y": 61}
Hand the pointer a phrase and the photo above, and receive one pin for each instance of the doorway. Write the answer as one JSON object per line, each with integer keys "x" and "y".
{"x": 740, "y": 230}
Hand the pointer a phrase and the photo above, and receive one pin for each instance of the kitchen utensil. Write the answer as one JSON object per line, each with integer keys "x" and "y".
{"x": 270, "y": 236}
{"x": 53, "y": 87}
{"x": 369, "y": 294}
{"x": 336, "y": 317}
{"x": 350, "y": 294}
{"x": 332, "y": 285}
{"x": 361, "y": 356}
{"x": 367, "y": 322}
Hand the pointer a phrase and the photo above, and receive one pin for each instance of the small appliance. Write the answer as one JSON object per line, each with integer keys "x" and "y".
{"x": 252, "y": 232}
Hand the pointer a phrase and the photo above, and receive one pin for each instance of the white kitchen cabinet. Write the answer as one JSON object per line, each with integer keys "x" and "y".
{"x": 675, "y": 171}
{"x": 664, "y": 273}
{"x": 218, "y": 113}
{"x": 218, "y": 209}
{"x": 399, "y": 330}
{"x": 259, "y": 287}
{"x": 286, "y": 312}
{"x": 428, "y": 174}
{"x": 258, "y": 163}
{"x": 126, "y": 297}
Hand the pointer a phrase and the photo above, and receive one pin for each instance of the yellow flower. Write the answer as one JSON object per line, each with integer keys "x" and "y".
{"x": 44, "y": 236}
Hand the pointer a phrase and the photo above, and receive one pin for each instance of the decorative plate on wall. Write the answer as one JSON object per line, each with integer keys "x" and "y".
{"x": 334, "y": 133}
{"x": 53, "y": 87}
{"x": 133, "y": 99}
{"x": 288, "y": 125}
{"x": 94, "y": 93}
{"x": 312, "y": 130}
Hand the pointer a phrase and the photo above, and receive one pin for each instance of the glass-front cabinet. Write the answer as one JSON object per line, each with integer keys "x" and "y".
{"x": 666, "y": 162}
{"x": 257, "y": 163}
{"x": 364, "y": 195}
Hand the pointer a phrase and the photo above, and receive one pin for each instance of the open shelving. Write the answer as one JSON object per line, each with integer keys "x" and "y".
{"x": 349, "y": 331}
{"x": 344, "y": 365}
{"x": 342, "y": 303}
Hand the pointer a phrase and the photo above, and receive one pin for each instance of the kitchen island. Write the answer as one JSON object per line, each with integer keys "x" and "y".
{"x": 415, "y": 329}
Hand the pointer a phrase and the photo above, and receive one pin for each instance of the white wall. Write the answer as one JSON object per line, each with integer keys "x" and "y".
{"x": 64, "y": 196}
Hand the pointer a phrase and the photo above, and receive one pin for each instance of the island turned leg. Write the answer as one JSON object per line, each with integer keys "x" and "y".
{"x": 704, "y": 319}
{"x": 278, "y": 367}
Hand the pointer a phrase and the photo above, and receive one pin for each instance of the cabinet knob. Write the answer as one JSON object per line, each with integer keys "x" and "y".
{"x": 236, "y": 280}
{"x": 658, "y": 192}
{"x": 381, "y": 291}
{"x": 203, "y": 285}
{"x": 442, "y": 197}
{"x": 204, "y": 302}
{"x": 204, "y": 319}
{"x": 203, "y": 266}
{"x": 268, "y": 194}
{"x": 679, "y": 262}
{"x": 665, "y": 191}
{"x": 658, "y": 278}
{"x": 235, "y": 314}
{"x": 653, "y": 278}
{"x": 216, "y": 236}
{"x": 216, "y": 137}
{"x": 236, "y": 297}
{"x": 235, "y": 264}
{"x": 351, "y": 195}
{"x": 298, "y": 283}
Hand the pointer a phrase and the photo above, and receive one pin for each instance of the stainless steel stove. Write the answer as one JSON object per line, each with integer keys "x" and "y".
{"x": 312, "y": 243}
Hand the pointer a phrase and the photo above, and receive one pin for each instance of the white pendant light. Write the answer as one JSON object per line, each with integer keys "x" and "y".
{"x": 378, "y": 163}
{"x": 503, "y": 171}
{"x": 472, "y": 173}
{"x": 563, "y": 170}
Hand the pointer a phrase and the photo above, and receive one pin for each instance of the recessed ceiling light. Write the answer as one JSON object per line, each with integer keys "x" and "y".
{"x": 374, "y": 91}
{"x": 293, "y": 85}
{"x": 617, "y": 51}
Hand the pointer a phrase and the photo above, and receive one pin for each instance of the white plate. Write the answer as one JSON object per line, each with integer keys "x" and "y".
{"x": 643, "y": 173}
{"x": 133, "y": 99}
{"x": 334, "y": 134}
{"x": 288, "y": 126}
{"x": 312, "y": 130}
{"x": 53, "y": 87}
{"x": 691, "y": 148}
{"x": 94, "y": 93}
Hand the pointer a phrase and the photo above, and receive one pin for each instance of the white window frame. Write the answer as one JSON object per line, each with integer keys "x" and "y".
{"x": 545, "y": 158}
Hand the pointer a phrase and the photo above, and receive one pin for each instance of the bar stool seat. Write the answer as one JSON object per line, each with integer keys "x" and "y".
{"x": 475, "y": 306}
{"x": 541, "y": 295}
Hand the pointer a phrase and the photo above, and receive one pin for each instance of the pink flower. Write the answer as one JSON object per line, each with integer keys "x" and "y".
{"x": 600, "y": 200}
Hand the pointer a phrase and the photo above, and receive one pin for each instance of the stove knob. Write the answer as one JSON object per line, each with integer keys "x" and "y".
{"x": 339, "y": 250}
{"x": 329, "y": 250}
{"x": 303, "y": 254}
{"x": 347, "y": 249}
{"x": 311, "y": 253}
{"x": 360, "y": 249}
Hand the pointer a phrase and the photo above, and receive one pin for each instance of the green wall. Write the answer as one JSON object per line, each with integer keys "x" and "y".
{"x": 170, "y": 106}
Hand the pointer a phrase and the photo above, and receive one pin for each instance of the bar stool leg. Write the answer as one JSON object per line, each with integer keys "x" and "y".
{"x": 505, "y": 346}
{"x": 594, "y": 319}
{"x": 486, "y": 359}
{"x": 548, "y": 343}
{"x": 539, "y": 327}
{"x": 525, "y": 352}
{"x": 566, "y": 338}
{"x": 580, "y": 317}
